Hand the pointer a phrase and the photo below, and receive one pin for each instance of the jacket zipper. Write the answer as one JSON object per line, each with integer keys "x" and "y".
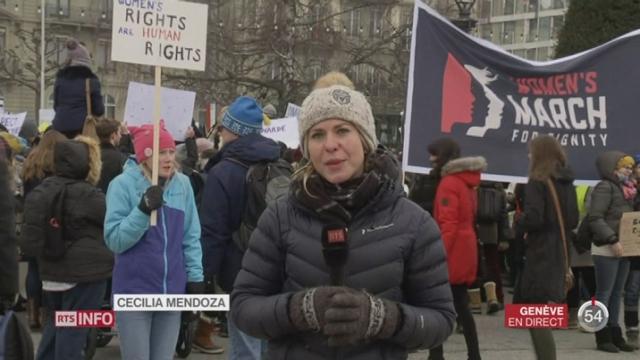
{"x": 164, "y": 253}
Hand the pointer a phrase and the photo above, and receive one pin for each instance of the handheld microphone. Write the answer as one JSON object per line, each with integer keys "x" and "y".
{"x": 335, "y": 249}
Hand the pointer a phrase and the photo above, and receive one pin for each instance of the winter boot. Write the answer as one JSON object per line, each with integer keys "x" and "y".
{"x": 604, "y": 342}
{"x": 573, "y": 318}
{"x": 475, "y": 301}
{"x": 33, "y": 314}
{"x": 203, "y": 340}
{"x": 632, "y": 336}
{"x": 493, "y": 305}
{"x": 619, "y": 341}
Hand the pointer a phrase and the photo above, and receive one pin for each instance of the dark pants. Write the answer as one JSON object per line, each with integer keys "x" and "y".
{"x": 34, "y": 284}
{"x": 461, "y": 303}
{"x": 492, "y": 262}
{"x": 66, "y": 342}
{"x": 585, "y": 278}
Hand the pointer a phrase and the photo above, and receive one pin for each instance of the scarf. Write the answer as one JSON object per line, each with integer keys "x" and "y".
{"x": 629, "y": 190}
{"x": 339, "y": 202}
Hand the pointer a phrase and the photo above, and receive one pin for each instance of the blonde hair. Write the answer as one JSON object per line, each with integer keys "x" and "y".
{"x": 95, "y": 159}
{"x": 333, "y": 78}
{"x": 39, "y": 162}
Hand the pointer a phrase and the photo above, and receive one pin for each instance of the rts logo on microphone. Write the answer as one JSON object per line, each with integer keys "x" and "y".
{"x": 85, "y": 318}
{"x": 336, "y": 236}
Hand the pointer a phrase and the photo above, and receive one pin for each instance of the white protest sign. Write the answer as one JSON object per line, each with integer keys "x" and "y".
{"x": 167, "y": 33}
{"x": 292, "y": 110}
{"x": 285, "y": 130}
{"x": 46, "y": 115}
{"x": 13, "y": 122}
{"x": 176, "y": 108}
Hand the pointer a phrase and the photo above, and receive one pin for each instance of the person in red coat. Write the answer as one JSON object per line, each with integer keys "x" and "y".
{"x": 455, "y": 212}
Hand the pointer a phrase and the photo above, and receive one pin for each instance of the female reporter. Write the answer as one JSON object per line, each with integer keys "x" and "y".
{"x": 395, "y": 296}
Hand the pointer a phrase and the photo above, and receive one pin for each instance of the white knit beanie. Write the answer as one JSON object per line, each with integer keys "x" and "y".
{"x": 337, "y": 102}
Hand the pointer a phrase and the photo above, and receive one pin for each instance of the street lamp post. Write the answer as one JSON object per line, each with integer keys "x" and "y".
{"x": 464, "y": 21}
{"x": 42, "y": 47}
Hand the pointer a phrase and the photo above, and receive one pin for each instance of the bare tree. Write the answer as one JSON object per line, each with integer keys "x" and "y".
{"x": 21, "y": 65}
{"x": 275, "y": 49}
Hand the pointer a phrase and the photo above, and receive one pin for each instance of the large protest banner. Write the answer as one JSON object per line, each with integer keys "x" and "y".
{"x": 493, "y": 103}
{"x": 167, "y": 33}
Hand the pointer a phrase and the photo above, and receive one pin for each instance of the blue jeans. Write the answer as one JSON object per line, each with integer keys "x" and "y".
{"x": 632, "y": 291}
{"x": 243, "y": 346}
{"x": 146, "y": 335}
{"x": 65, "y": 342}
{"x": 611, "y": 274}
{"x": 631, "y": 298}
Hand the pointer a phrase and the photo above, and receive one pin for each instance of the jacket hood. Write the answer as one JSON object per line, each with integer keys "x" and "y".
{"x": 606, "y": 164}
{"x": 76, "y": 72}
{"x": 564, "y": 175}
{"x": 467, "y": 168}
{"x": 250, "y": 148}
{"x": 78, "y": 159}
{"x": 476, "y": 163}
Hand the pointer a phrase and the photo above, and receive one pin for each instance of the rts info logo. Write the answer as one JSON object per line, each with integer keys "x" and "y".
{"x": 85, "y": 318}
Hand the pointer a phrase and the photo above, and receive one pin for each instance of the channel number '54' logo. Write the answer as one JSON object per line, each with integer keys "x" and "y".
{"x": 593, "y": 316}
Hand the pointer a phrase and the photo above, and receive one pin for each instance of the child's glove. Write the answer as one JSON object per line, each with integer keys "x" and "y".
{"x": 151, "y": 200}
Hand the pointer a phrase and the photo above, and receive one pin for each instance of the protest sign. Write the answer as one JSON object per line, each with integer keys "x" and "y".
{"x": 493, "y": 103}
{"x": 167, "y": 33}
{"x": 176, "y": 108}
{"x": 292, "y": 110}
{"x": 160, "y": 32}
{"x": 285, "y": 130}
{"x": 630, "y": 233}
{"x": 13, "y": 122}
{"x": 46, "y": 115}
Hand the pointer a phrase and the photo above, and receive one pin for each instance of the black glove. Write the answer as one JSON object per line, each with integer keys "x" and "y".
{"x": 195, "y": 287}
{"x": 151, "y": 200}
{"x": 355, "y": 316}
{"x": 307, "y": 307}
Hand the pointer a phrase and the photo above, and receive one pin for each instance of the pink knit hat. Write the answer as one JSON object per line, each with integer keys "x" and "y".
{"x": 143, "y": 140}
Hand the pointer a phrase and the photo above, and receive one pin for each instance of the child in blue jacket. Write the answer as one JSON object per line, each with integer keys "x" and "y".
{"x": 162, "y": 259}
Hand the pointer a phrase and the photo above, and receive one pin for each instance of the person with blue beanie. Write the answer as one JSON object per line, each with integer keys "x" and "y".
{"x": 223, "y": 201}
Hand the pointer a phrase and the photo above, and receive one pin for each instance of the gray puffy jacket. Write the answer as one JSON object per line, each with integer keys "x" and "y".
{"x": 396, "y": 252}
{"x": 607, "y": 201}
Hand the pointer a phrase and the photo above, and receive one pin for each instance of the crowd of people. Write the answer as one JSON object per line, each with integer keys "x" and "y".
{"x": 77, "y": 201}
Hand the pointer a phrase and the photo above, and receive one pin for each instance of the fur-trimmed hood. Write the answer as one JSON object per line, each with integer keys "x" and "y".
{"x": 475, "y": 163}
{"x": 78, "y": 159}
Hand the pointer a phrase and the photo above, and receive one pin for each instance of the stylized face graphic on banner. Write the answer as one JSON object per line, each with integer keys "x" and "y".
{"x": 458, "y": 98}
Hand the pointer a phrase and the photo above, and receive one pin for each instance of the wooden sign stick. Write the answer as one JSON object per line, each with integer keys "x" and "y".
{"x": 156, "y": 136}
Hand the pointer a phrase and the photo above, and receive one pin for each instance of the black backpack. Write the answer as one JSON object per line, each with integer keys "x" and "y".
{"x": 584, "y": 235}
{"x": 265, "y": 182}
{"x": 491, "y": 203}
{"x": 56, "y": 243}
{"x": 15, "y": 338}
